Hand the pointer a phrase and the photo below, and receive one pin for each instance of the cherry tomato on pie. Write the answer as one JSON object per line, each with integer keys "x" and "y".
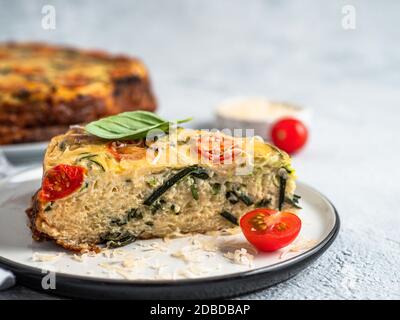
{"x": 270, "y": 230}
{"x": 289, "y": 135}
{"x": 133, "y": 150}
{"x": 61, "y": 181}
{"x": 216, "y": 148}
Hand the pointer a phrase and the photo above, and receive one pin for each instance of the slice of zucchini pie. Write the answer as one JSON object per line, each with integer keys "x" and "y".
{"x": 96, "y": 191}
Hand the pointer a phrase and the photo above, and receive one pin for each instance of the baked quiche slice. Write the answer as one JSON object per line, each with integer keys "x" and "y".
{"x": 45, "y": 88}
{"x": 97, "y": 191}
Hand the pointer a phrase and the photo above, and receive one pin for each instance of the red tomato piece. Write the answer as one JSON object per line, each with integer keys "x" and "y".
{"x": 133, "y": 150}
{"x": 289, "y": 135}
{"x": 269, "y": 230}
{"x": 216, "y": 148}
{"x": 61, "y": 181}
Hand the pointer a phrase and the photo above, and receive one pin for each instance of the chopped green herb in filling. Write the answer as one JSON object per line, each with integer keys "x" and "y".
{"x": 134, "y": 214}
{"x": 230, "y": 217}
{"x": 49, "y": 206}
{"x": 194, "y": 171}
{"x": 216, "y": 188}
{"x": 89, "y": 158}
{"x": 194, "y": 191}
{"x": 118, "y": 239}
{"x": 236, "y": 194}
{"x": 152, "y": 181}
{"x": 282, "y": 173}
{"x": 294, "y": 201}
{"x": 231, "y": 197}
{"x": 263, "y": 203}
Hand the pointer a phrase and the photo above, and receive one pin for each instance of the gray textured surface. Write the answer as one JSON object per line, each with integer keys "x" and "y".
{"x": 200, "y": 52}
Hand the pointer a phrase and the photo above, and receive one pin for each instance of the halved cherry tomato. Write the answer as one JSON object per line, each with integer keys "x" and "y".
{"x": 270, "y": 230}
{"x": 61, "y": 181}
{"x": 216, "y": 147}
{"x": 289, "y": 135}
{"x": 133, "y": 150}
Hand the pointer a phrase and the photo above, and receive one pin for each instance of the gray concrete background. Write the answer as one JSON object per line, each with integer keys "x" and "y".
{"x": 200, "y": 52}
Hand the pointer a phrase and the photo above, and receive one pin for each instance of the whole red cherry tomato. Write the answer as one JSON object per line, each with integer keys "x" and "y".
{"x": 289, "y": 134}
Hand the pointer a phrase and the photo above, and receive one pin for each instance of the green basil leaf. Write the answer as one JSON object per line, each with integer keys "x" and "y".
{"x": 128, "y": 125}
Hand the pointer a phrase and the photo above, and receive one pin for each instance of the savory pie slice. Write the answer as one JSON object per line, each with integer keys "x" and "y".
{"x": 45, "y": 88}
{"x": 97, "y": 191}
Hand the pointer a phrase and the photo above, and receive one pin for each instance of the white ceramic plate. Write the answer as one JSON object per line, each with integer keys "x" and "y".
{"x": 191, "y": 267}
{"x": 24, "y": 152}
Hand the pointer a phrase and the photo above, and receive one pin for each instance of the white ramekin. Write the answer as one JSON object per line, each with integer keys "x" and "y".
{"x": 257, "y": 113}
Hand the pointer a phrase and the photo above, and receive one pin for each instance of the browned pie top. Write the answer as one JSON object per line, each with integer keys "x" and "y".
{"x": 33, "y": 71}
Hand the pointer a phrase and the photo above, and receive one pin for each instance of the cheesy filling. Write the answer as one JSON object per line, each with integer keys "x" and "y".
{"x": 120, "y": 201}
